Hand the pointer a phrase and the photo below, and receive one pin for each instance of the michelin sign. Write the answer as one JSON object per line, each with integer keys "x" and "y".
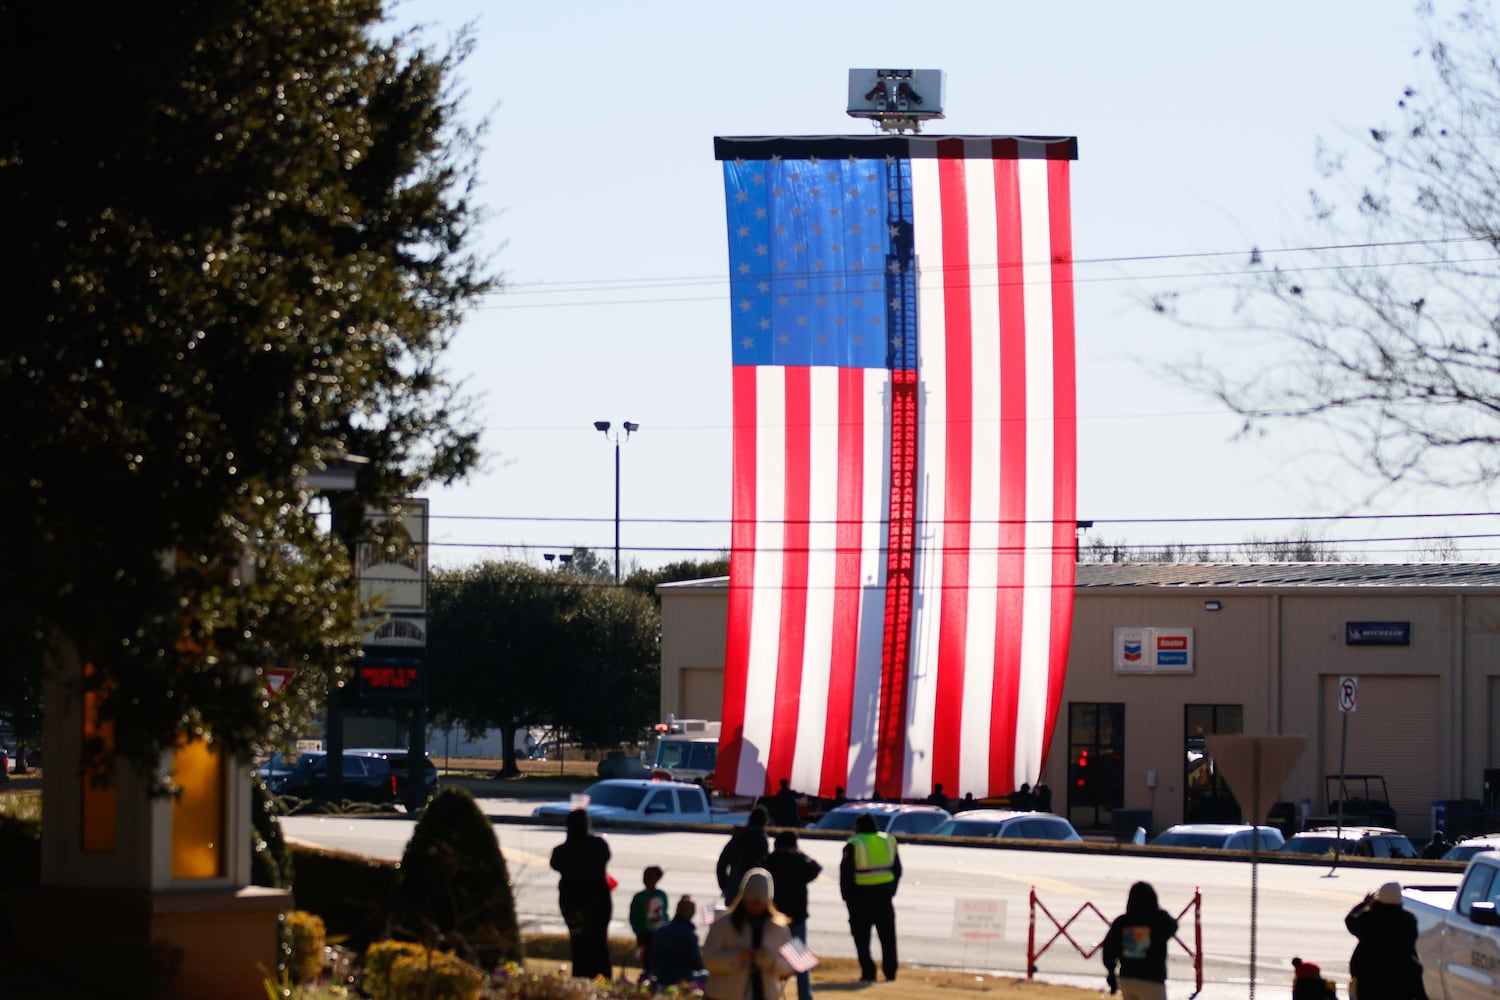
{"x": 1153, "y": 650}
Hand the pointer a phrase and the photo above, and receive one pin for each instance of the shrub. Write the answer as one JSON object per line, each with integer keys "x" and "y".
{"x": 379, "y": 958}
{"x": 270, "y": 863}
{"x": 437, "y": 975}
{"x": 454, "y": 887}
{"x": 20, "y": 841}
{"x": 305, "y": 939}
{"x": 352, "y": 894}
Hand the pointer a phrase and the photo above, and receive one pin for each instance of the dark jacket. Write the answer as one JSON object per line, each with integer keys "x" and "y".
{"x": 675, "y": 956}
{"x": 1137, "y": 940}
{"x": 791, "y": 872}
{"x": 747, "y": 849}
{"x": 581, "y": 860}
{"x": 1385, "y": 960}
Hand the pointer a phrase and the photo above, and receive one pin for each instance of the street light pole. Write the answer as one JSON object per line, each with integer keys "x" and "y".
{"x": 602, "y": 426}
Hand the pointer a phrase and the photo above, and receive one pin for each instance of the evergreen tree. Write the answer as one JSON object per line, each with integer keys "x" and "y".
{"x": 239, "y": 238}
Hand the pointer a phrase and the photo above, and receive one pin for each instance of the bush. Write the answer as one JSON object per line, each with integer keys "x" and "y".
{"x": 270, "y": 863}
{"x": 20, "y": 841}
{"x": 455, "y": 889}
{"x": 379, "y": 958}
{"x": 352, "y": 894}
{"x": 305, "y": 939}
{"x": 437, "y": 975}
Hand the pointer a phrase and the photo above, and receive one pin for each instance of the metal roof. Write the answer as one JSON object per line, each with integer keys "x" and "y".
{"x": 1252, "y": 575}
{"x": 1309, "y": 575}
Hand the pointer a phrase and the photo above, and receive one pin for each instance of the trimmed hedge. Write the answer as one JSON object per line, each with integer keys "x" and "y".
{"x": 353, "y": 895}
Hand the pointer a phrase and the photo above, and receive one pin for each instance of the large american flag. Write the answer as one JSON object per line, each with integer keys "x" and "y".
{"x": 901, "y": 566}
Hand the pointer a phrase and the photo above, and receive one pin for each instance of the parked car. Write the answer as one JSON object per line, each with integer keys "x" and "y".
{"x": 1220, "y": 836}
{"x": 400, "y": 767}
{"x": 1007, "y": 824}
{"x": 890, "y": 817}
{"x": 1458, "y": 932}
{"x": 1470, "y": 846}
{"x": 619, "y": 764}
{"x": 1357, "y": 841}
{"x": 371, "y": 774}
{"x": 636, "y": 800}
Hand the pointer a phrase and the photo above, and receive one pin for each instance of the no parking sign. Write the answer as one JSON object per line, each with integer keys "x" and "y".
{"x": 1348, "y": 694}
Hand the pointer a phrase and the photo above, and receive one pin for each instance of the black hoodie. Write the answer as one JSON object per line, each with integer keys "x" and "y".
{"x": 1138, "y": 938}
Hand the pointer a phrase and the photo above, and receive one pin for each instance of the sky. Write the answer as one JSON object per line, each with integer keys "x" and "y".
{"x": 1197, "y": 124}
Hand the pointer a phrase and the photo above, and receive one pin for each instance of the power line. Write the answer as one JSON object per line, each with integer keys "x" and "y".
{"x": 730, "y": 522}
{"x": 589, "y": 285}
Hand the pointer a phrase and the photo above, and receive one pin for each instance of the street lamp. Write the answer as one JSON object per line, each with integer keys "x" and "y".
{"x": 602, "y": 426}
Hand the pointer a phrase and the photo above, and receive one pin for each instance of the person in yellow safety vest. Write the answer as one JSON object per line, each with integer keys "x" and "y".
{"x": 868, "y": 875}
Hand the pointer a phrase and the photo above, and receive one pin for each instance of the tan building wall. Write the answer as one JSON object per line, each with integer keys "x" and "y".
{"x": 1428, "y": 717}
{"x": 694, "y": 628}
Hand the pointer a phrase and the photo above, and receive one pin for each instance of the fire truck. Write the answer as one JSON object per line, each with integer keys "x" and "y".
{"x": 686, "y": 750}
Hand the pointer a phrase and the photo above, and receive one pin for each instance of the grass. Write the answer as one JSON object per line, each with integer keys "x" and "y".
{"x": 546, "y": 953}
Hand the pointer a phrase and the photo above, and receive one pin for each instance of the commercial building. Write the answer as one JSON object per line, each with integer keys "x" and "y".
{"x": 1164, "y": 655}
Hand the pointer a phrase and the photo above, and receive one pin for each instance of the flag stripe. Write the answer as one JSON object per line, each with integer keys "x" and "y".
{"x": 1065, "y": 436}
{"x": 957, "y": 441}
{"x": 1036, "y": 617}
{"x": 819, "y": 635}
{"x": 843, "y": 656}
{"x": 797, "y": 512}
{"x": 873, "y": 566}
{"x": 770, "y": 495}
{"x": 1009, "y": 598}
{"x": 987, "y": 484}
{"x": 741, "y": 574}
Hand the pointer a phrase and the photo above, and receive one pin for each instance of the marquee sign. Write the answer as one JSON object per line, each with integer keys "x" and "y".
{"x": 1153, "y": 650}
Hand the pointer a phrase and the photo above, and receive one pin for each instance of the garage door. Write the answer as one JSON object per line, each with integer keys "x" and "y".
{"x": 1494, "y": 717}
{"x": 1395, "y": 733}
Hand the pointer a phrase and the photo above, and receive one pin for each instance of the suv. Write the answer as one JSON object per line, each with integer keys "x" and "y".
{"x": 1008, "y": 825}
{"x": 1358, "y": 841}
{"x": 890, "y": 817}
{"x": 401, "y": 769}
{"x": 370, "y": 775}
{"x": 1220, "y": 836}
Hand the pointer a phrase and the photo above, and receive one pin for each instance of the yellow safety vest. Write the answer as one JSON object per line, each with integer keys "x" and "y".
{"x": 874, "y": 858}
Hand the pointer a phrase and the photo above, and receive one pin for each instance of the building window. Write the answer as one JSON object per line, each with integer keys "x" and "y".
{"x": 198, "y": 812}
{"x": 1096, "y": 762}
{"x": 1205, "y": 797}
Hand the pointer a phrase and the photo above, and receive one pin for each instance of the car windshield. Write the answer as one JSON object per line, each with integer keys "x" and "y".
{"x": 1170, "y": 839}
{"x": 1316, "y": 845}
{"x": 967, "y": 828}
{"x": 619, "y": 796}
{"x": 694, "y": 756}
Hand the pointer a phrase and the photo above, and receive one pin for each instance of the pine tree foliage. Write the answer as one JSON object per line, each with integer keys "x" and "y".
{"x": 240, "y": 234}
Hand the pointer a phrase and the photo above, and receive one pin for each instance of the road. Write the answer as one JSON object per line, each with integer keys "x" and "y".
{"x": 1300, "y": 913}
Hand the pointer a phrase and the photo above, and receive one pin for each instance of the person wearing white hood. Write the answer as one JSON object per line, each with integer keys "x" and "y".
{"x": 742, "y": 951}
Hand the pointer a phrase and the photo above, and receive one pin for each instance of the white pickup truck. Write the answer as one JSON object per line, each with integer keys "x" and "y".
{"x": 1458, "y": 932}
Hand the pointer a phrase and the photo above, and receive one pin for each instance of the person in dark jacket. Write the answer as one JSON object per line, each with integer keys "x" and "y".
{"x": 1384, "y": 963}
{"x": 746, "y": 849}
{"x": 675, "y": 957}
{"x": 583, "y": 896}
{"x": 792, "y": 872}
{"x": 784, "y": 810}
{"x": 869, "y": 874}
{"x": 1137, "y": 942}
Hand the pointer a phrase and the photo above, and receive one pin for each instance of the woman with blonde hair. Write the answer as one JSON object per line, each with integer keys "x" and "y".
{"x": 743, "y": 949}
